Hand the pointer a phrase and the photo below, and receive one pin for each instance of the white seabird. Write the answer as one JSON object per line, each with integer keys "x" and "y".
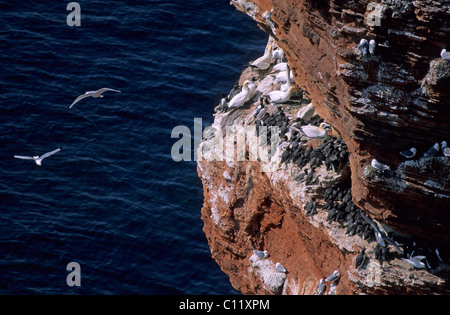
{"x": 445, "y": 149}
{"x": 280, "y": 96}
{"x": 261, "y": 254}
{"x": 95, "y": 94}
{"x": 433, "y": 150}
{"x": 283, "y": 76}
{"x": 372, "y": 46}
{"x": 280, "y": 66}
{"x": 306, "y": 113}
{"x": 410, "y": 153}
{"x": 415, "y": 261}
{"x": 251, "y": 90}
{"x": 363, "y": 46}
{"x": 286, "y": 85}
{"x": 334, "y": 276}
{"x": 321, "y": 287}
{"x": 240, "y": 98}
{"x": 445, "y": 54}
{"x": 379, "y": 166}
{"x": 36, "y": 158}
{"x": 278, "y": 54}
{"x": 316, "y": 132}
{"x": 264, "y": 61}
{"x": 280, "y": 268}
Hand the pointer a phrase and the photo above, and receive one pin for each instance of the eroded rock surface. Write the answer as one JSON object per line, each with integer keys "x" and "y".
{"x": 309, "y": 214}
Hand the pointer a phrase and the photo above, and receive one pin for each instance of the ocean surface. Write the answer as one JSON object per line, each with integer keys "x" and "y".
{"x": 112, "y": 199}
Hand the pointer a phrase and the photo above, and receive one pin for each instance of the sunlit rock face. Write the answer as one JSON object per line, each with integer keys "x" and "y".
{"x": 379, "y": 102}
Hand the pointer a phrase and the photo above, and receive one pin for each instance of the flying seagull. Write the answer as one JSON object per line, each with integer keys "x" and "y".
{"x": 37, "y": 159}
{"x": 95, "y": 94}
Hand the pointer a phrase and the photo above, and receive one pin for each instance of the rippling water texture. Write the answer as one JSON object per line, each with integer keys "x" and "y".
{"x": 112, "y": 200}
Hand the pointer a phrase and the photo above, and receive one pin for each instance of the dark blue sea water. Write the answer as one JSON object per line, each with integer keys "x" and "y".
{"x": 112, "y": 199}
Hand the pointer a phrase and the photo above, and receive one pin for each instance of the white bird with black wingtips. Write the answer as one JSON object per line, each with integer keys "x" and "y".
{"x": 280, "y": 268}
{"x": 432, "y": 151}
{"x": 410, "y": 153}
{"x": 38, "y": 159}
{"x": 334, "y": 276}
{"x": 94, "y": 94}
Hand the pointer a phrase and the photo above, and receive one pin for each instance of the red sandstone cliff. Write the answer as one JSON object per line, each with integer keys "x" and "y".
{"x": 379, "y": 104}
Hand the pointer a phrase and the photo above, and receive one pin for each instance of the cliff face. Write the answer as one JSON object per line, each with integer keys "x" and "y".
{"x": 379, "y": 104}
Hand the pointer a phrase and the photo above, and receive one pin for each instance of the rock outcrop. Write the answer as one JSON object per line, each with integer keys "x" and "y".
{"x": 315, "y": 214}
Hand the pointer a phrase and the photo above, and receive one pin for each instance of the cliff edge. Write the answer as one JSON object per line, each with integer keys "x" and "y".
{"x": 326, "y": 206}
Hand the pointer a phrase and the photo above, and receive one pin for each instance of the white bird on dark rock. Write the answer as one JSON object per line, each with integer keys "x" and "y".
{"x": 433, "y": 150}
{"x": 94, "y": 94}
{"x": 280, "y": 268}
{"x": 240, "y": 98}
{"x": 333, "y": 277}
{"x": 410, "y": 153}
{"x": 316, "y": 132}
{"x": 379, "y": 166}
{"x": 372, "y": 46}
{"x": 363, "y": 46}
{"x": 445, "y": 149}
{"x": 445, "y": 54}
{"x": 36, "y": 158}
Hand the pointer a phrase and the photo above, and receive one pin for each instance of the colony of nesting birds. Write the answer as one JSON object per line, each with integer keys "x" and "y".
{"x": 333, "y": 153}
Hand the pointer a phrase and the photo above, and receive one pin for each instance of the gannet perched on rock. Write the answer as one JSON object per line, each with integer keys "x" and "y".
{"x": 305, "y": 113}
{"x": 264, "y": 61}
{"x": 280, "y": 96}
{"x": 240, "y": 98}
{"x": 251, "y": 90}
{"x": 316, "y": 132}
{"x": 283, "y": 75}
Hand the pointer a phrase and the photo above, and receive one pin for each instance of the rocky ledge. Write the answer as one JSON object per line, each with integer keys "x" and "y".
{"x": 343, "y": 200}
